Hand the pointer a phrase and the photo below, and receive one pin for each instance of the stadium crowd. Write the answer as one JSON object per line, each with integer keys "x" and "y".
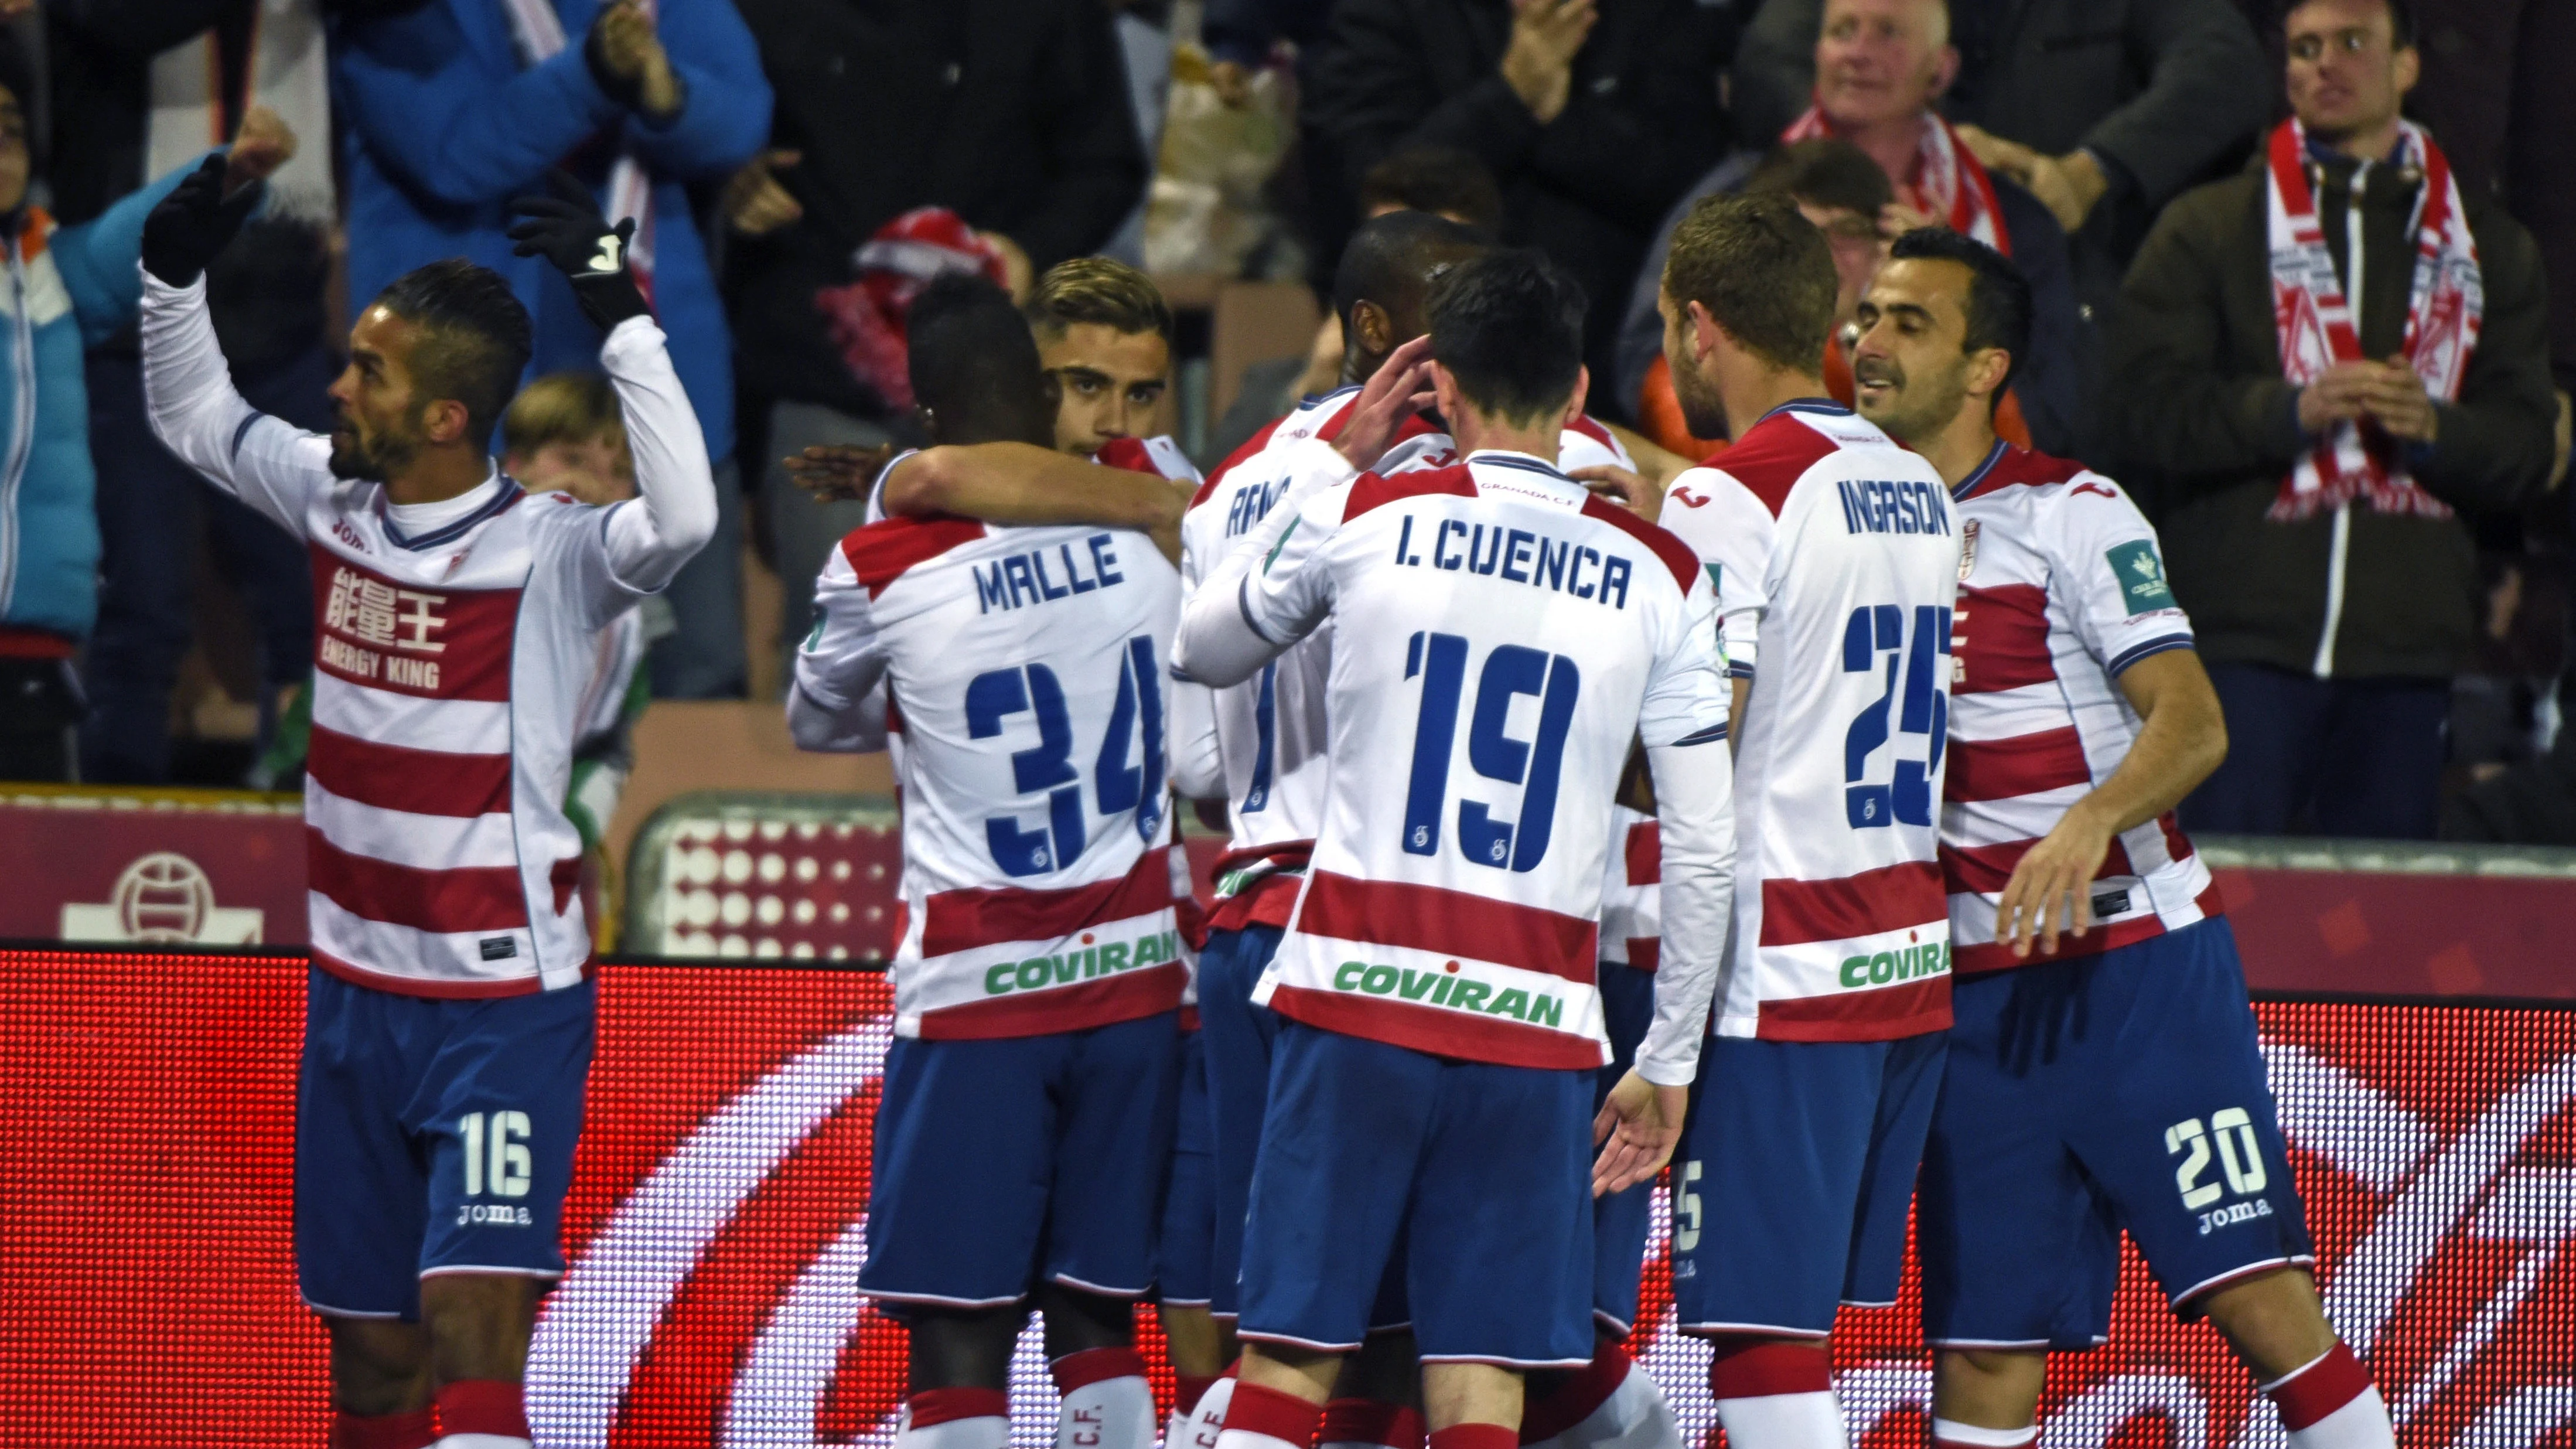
{"x": 2376, "y": 549}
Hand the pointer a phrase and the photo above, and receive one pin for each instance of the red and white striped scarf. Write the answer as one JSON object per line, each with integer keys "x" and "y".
{"x": 1951, "y": 181}
{"x": 2318, "y": 327}
{"x": 540, "y": 34}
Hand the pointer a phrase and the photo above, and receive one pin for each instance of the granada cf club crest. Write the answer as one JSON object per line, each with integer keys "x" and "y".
{"x": 1967, "y": 549}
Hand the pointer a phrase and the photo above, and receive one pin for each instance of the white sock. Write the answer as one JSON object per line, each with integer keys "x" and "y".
{"x": 1949, "y": 1432}
{"x": 958, "y": 1419}
{"x": 1207, "y": 1421}
{"x": 1107, "y": 1403}
{"x": 1635, "y": 1416}
{"x": 1783, "y": 1421}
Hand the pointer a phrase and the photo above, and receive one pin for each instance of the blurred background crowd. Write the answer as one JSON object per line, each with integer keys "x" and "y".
{"x": 800, "y": 167}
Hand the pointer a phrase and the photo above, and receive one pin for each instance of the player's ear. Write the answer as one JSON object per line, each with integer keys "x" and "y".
{"x": 445, "y": 421}
{"x": 1987, "y": 368}
{"x": 1372, "y": 328}
{"x": 1574, "y": 404}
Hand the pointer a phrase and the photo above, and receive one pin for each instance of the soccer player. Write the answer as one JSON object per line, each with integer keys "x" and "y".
{"x": 1270, "y": 733}
{"x": 1834, "y": 559}
{"x": 1500, "y": 639}
{"x": 2130, "y": 1094}
{"x": 1038, "y": 976}
{"x": 448, "y": 1017}
{"x": 1105, "y": 337}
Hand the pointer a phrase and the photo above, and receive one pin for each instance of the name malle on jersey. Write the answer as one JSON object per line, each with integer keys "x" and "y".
{"x": 1022, "y": 578}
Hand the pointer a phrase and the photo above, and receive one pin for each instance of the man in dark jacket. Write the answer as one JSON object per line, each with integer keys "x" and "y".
{"x": 1014, "y": 114}
{"x": 1593, "y": 116}
{"x": 2309, "y": 520}
{"x": 2104, "y": 110}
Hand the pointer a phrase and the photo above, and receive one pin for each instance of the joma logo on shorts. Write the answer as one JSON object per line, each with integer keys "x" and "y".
{"x": 1905, "y": 965}
{"x": 1458, "y": 993}
{"x": 2232, "y": 1214}
{"x": 1038, "y": 972}
{"x": 493, "y": 1215}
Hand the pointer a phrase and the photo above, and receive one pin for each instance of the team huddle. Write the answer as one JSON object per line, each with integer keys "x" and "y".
{"x": 1794, "y": 829}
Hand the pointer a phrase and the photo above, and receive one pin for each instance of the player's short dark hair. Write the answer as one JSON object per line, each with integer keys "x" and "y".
{"x": 1998, "y": 305}
{"x": 1509, "y": 327}
{"x": 1763, "y": 273}
{"x": 1824, "y": 171}
{"x": 2401, "y": 19}
{"x": 1097, "y": 290}
{"x": 974, "y": 362}
{"x": 1392, "y": 259}
{"x": 1439, "y": 179}
{"x": 475, "y": 338}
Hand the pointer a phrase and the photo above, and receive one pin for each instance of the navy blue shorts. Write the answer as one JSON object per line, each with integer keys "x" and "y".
{"x": 1005, "y": 1162}
{"x": 1182, "y": 1249}
{"x": 1621, "y": 1221}
{"x": 432, "y": 1135}
{"x": 2084, "y": 1097}
{"x": 1791, "y": 1193}
{"x": 1238, "y": 1037}
{"x": 1479, "y": 1176}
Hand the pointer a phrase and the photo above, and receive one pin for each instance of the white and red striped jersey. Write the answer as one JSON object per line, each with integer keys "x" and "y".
{"x": 1264, "y": 739}
{"x": 1835, "y": 559}
{"x": 1501, "y": 637}
{"x": 1026, "y": 667}
{"x": 1632, "y": 891}
{"x": 2062, "y": 588}
{"x": 454, "y": 645}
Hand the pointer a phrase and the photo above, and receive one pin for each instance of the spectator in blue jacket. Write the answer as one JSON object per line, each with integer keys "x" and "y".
{"x": 451, "y": 109}
{"x": 68, "y": 287}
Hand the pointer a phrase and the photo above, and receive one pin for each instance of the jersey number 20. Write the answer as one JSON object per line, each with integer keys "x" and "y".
{"x": 1047, "y": 767}
{"x": 1534, "y": 764}
{"x": 1873, "y": 630}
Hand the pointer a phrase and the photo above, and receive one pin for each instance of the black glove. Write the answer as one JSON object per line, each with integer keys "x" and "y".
{"x": 568, "y": 230}
{"x": 194, "y": 222}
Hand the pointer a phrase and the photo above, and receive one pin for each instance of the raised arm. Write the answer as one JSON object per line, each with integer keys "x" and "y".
{"x": 674, "y": 513}
{"x": 187, "y": 389}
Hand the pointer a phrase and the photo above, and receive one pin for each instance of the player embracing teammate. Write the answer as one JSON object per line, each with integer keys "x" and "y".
{"x": 2103, "y": 1073}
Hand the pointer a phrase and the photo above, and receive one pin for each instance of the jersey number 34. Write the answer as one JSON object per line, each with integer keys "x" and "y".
{"x": 1047, "y": 767}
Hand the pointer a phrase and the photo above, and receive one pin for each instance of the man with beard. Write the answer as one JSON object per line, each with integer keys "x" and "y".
{"x": 2102, "y": 1046}
{"x": 448, "y": 1016}
{"x": 1835, "y": 560}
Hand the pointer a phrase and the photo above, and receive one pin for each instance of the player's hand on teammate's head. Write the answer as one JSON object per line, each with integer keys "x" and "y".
{"x": 1617, "y": 485}
{"x": 838, "y": 473}
{"x": 1400, "y": 388}
{"x": 566, "y": 228}
{"x": 1638, "y": 1127}
{"x": 186, "y": 229}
